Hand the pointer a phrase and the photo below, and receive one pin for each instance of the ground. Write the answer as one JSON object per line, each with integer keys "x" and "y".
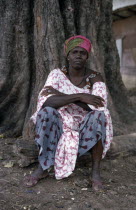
{"x": 119, "y": 176}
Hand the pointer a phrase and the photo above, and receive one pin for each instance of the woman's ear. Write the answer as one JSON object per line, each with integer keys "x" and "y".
{"x": 87, "y": 56}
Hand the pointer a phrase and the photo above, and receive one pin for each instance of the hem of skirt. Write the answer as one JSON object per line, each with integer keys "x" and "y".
{"x": 92, "y": 147}
{"x": 45, "y": 167}
{"x": 63, "y": 176}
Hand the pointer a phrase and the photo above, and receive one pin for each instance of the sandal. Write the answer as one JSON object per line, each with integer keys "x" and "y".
{"x": 97, "y": 185}
{"x": 30, "y": 181}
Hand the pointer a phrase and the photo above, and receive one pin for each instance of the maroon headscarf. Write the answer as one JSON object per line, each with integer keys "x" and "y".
{"x": 77, "y": 41}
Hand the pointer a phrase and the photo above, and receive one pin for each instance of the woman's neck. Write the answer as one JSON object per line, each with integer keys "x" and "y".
{"x": 76, "y": 72}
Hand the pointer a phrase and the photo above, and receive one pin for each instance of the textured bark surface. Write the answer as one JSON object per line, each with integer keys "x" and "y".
{"x": 26, "y": 151}
{"x": 16, "y": 55}
{"x": 32, "y": 33}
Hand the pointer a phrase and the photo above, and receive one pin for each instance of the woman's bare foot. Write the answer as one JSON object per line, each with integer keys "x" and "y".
{"x": 97, "y": 185}
{"x": 32, "y": 180}
{"x": 96, "y": 180}
{"x": 97, "y": 151}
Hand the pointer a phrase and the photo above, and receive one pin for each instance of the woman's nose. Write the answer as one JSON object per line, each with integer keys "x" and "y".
{"x": 78, "y": 55}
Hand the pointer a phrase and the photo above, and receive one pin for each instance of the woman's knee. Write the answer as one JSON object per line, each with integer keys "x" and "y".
{"x": 50, "y": 111}
{"x": 95, "y": 117}
{"x": 99, "y": 115}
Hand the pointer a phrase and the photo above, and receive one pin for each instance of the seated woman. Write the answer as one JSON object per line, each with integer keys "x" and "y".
{"x": 72, "y": 116}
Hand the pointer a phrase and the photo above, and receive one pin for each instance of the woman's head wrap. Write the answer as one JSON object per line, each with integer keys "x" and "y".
{"x": 77, "y": 41}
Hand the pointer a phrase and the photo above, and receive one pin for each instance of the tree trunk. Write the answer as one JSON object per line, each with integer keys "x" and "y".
{"x": 32, "y": 34}
{"x": 16, "y": 64}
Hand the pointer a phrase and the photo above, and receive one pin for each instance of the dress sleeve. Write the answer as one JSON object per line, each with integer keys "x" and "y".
{"x": 52, "y": 80}
{"x": 99, "y": 89}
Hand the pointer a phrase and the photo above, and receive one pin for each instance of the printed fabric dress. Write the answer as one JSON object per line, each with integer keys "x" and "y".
{"x": 78, "y": 130}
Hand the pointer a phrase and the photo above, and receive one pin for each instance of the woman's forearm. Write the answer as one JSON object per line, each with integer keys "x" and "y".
{"x": 57, "y": 101}
{"x": 81, "y": 99}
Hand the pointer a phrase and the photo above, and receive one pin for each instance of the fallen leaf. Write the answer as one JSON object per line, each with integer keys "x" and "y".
{"x": 9, "y": 164}
{"x": 84, "y": 189}
{"x": 2, "y": 136}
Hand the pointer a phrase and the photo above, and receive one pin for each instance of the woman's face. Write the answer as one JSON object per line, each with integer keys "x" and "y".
{"x": 77, "y": 57}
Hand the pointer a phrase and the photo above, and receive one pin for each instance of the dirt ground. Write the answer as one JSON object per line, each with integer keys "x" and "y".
{"x": 119, "y": 176}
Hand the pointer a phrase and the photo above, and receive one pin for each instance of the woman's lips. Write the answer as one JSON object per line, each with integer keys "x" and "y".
{"x": 78, "y": 61}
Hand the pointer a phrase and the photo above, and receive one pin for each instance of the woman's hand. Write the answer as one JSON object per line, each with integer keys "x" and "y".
{"x": 50, "y": 90}
{"x": 96, "y": 101}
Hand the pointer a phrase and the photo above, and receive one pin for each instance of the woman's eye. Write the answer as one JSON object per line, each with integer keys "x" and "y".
{"x": 83, "y": 53}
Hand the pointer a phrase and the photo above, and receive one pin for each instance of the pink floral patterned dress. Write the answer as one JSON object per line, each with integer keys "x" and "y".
{"x": 72, "y": 118}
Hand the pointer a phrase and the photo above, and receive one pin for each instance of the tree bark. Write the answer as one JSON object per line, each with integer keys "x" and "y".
{"x": 16, "y": 61}
{"x": 32, "y": 34}
{"x": 26, "y": 152}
